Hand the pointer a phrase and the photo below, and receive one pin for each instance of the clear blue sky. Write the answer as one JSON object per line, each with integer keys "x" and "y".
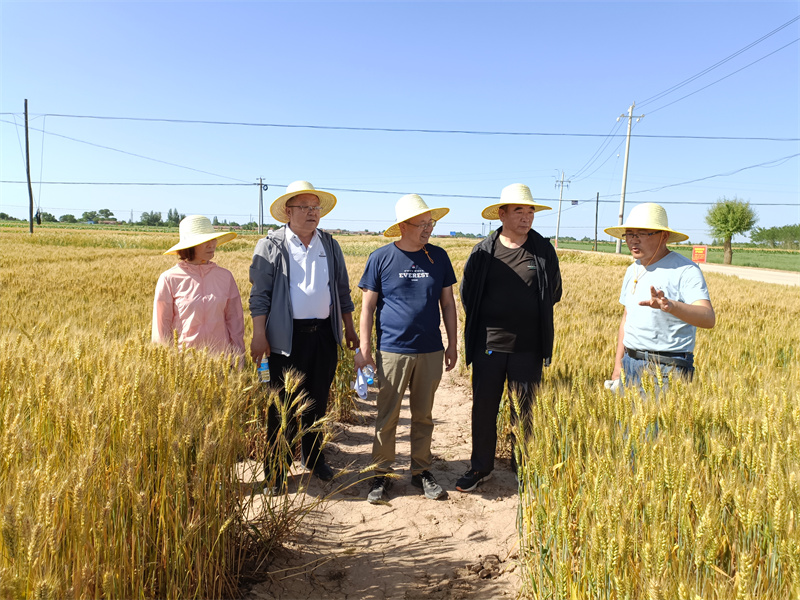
{"x": 561, "y": 68}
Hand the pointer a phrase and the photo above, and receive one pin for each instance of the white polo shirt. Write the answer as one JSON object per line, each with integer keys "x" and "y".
{"x": 309, "y": 287}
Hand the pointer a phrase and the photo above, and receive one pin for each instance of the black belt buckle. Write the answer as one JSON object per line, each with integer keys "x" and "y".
{"x": 678, "y": 359}
{"x": 309, "y": 325}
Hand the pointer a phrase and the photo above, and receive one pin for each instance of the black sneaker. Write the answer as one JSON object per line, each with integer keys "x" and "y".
{"x": 471, "y": 479}
{"x": 322, "y": 471}
{"x": 379, "y": 486}
{"x": 426, "y": 482}
{"x": 275, "y": 485}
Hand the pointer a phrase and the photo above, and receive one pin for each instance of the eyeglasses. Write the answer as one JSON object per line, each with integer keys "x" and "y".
{"x": 427, "y": 225}
{"x": 306, "y": 209}
{"x": 629, "y": 237}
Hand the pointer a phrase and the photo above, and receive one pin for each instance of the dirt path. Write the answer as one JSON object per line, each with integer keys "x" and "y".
{"x": 461, "y": 547}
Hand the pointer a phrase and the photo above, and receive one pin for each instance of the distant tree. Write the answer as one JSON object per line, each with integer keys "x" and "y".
{"x": 90, "y": 215}
{"x": 106, "y": 214}
{"x": 174, "y": 218}
{"x": 234, "y": 224}
{"x": 48, "y": 218}
{"x": 215, "y": 221}
{"x": 787, "y": 236}
{"x": 153, "y": 219}
{"x": 7, "y": 217}
{"x": 728, "y": 218}
{"x": 68, "y": 219}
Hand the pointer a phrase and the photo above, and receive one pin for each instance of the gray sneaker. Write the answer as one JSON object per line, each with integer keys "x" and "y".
{"x": 379, "y": 486}
{"x": 426, "y": 482}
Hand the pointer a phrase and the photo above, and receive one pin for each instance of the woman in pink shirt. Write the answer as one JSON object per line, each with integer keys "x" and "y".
{"x": 196, "y": 298}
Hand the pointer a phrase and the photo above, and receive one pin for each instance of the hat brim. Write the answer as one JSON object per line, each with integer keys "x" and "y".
{"x": 492, "y": 213}
{"x": 222, "y": 237}
{"x": 278, "y": 207}
{"x": 436, "y": 215}
{"x": 674, "y": 236}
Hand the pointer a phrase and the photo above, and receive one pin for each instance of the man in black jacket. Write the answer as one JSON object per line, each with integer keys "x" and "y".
{"x": 511, "y": 282}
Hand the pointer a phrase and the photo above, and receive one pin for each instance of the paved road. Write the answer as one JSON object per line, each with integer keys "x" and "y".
{"x": 765, "y": 275}
{"x": 753, "y": 273}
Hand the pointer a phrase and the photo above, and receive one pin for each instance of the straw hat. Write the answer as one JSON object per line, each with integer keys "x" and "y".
{"x": 278, "y": 209}
{"x": 516, "y": 193}
{"x": 196, "y": 230}
{"x": 408, "y": 207}
{"x": 647, "y": 216}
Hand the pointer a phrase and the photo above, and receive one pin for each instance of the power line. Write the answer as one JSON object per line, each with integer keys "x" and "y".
{"x": 409, "y": 130}
{"x": 163, "y": 162}
{"x": 722, "y": 78}
{"x": 718, "y": 64}
{"x": 143, "y": 183}
{"x": 773, "y": 162}
{"x": 604, "y": 144}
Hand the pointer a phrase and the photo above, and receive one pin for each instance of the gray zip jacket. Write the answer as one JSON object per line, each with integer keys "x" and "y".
{"x": 269, "y": 274}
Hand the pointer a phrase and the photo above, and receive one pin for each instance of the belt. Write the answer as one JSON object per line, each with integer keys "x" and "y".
{"x": 679, "y": 359}
{"x": 310, "y": 325}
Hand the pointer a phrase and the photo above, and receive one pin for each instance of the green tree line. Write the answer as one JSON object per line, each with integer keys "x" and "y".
{"x": 786, "y": 236}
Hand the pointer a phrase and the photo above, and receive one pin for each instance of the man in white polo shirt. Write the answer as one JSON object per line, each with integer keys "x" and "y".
{"x": 299, "y": 301}
{"x": 665, "y": 299}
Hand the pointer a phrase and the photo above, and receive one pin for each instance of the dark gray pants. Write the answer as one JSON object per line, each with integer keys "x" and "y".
{"x": 523, "y": 370}
{"x": 314, "y": 354}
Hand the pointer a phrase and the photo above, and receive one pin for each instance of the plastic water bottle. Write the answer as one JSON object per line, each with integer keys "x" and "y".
{"x": 263, "y": 370}
{"x": 369, "y": 373}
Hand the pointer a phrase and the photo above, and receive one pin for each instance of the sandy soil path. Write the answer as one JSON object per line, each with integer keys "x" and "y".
{"x": 462, "y": 547}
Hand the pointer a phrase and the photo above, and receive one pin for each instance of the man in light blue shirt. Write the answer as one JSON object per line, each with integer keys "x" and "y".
{"x": 665, "y": 299}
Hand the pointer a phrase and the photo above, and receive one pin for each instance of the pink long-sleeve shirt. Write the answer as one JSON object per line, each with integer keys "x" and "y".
{"x": 201, "y": 303}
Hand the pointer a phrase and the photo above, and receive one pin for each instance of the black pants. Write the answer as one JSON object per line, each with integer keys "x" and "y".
{"x": 523, "y": 370}
{"x": 314, "y": 355}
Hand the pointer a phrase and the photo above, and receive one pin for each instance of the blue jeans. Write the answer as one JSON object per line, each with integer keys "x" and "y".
{"x": 635, "y": 368}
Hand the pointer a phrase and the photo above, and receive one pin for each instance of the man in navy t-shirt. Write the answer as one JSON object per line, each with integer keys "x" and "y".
{"x": 404, "y": 285}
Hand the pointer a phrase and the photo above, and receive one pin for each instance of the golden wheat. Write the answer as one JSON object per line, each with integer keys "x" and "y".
{"x": 125, "y": 466}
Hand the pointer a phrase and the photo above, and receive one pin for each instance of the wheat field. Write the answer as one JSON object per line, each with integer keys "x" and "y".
{"x": 125, "y": 466}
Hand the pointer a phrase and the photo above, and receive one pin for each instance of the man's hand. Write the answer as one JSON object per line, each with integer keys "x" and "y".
{"x": 658, "y": 300}
{"x": 450, "y": 357}
{"x": 351, "y": 338}
{"x": 362, "y": 359}
{"x": 259, "y": 347}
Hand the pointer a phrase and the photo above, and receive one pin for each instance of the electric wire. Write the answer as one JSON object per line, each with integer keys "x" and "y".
{"x": 718, "y": 64}
{"x": 765, "y": 164}
{"x": 594, "y": 157}
{"x": 431, "y": 131}
{"x": 157, "y": 160}
{"x": 650, "y": 112}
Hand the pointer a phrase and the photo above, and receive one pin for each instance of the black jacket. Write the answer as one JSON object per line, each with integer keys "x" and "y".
{"x": 472, "y": 284}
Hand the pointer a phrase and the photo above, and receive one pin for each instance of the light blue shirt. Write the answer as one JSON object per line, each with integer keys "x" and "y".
{"x": 653, "y": 329}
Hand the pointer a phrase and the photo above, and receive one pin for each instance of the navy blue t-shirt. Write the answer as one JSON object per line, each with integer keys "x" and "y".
{"x": 409, "y": 287}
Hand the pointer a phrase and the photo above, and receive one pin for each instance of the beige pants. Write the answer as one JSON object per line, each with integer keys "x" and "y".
{"x": 421, "y": 374}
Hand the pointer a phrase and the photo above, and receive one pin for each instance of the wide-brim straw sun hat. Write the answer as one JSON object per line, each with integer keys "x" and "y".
{"x": 516, "y": 193}
{"x": 410, "y": 206}
{"x": 278, "y": 209}
{"x": 196, "y": 230}
{"x": 647, "y": 216}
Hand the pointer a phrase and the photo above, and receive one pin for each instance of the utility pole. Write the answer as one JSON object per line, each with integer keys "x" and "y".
{"x": 560, "y": 196}
{"x": 596, "y": 207}
{"x": 260, "y": 206}
{"x": 625, "y": 168}
{"x": 28, "y": 167}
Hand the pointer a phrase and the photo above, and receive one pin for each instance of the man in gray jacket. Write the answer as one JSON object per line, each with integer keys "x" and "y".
{"x": 299, "y": 301}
